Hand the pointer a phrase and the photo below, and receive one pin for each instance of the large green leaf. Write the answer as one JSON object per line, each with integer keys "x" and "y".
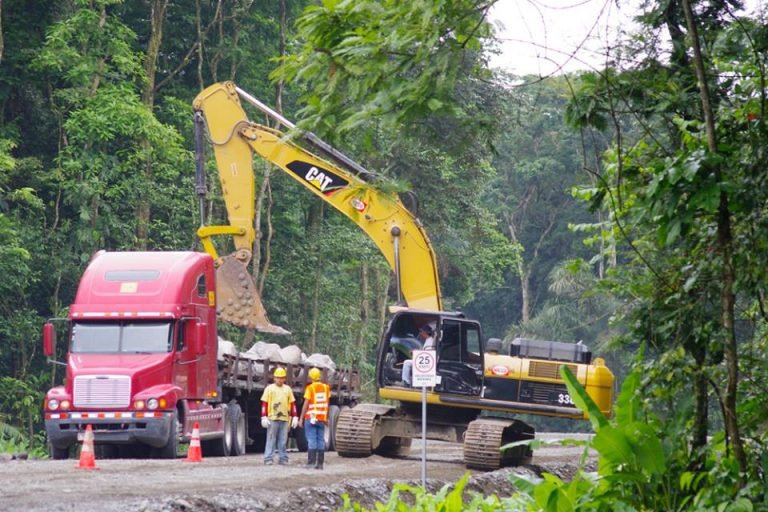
{"x": 613, "y": 445}
{"x": 627, "y": 408}
{"x": 582, "y": 399}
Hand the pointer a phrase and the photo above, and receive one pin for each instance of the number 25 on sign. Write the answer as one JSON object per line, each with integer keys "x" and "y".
{"x": 424, "y": 368}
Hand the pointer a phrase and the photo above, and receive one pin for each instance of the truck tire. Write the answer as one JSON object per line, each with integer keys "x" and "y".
{"x": 258, "y": 441}
{"x": 330, "y": 428}
{"x": 222, "y": 446}
{"x": 170, "y": 450}
{"x": 105, "y": 451}
{"x": 301, "y": 439}
{"x": 237, "y": 420}
{"x": 57, "y": 453}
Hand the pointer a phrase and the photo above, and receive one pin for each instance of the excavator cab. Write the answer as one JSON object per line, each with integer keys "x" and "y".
{"x": 459, "y": 348}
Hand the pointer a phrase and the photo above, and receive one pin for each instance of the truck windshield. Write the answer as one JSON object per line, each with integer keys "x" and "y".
{"x": 121, "y": 337}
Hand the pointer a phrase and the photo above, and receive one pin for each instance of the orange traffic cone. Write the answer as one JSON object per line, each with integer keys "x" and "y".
{"x": 194, "y": 454}
{"x": 87, "y": 458}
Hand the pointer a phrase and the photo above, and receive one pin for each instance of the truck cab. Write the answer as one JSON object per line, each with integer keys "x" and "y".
{"x": 141, "y": 354}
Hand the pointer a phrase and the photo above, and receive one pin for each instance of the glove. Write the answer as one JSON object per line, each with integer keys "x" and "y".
{"x": 313, "y": 420}
{"x": 264, "y": 422}
{"x": 294, "y": 422}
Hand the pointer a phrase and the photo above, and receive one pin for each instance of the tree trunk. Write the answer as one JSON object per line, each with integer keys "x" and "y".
{"x": 364, "y": 312}
{"x": 701, "y": 413}
{"x": 380, "y": 298}
{"x": 525, "y": 293}
{"x": 200, "y": 47}
{"x": 314, "y": 230}
{"x": 215, "y": 58}
{"x": 725, "y": 248}
{"x": 258, "y": 271}
{"x": 144, "y": 207}
{"x": 525, "y": 268}
{"x": 270, "y": 234}
{"x": 2, "y": 38}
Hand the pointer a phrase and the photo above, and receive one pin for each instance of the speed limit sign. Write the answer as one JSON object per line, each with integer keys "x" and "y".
{"x": 424, "y": 368}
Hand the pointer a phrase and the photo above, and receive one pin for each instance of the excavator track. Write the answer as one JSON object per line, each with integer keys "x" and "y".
{"x": 485, "y": 437}
{"x": 354, "y": 433}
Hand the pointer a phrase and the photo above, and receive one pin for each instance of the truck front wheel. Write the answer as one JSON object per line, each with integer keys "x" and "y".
{"x": 170, "y": 449}
{"x": 57, "y": 453}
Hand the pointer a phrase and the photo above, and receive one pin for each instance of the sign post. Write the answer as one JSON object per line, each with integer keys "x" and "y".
{"x": 424, "y": 376}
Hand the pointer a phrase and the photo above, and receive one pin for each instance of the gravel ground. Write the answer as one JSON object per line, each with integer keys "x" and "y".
{"x": 245, "y": 484}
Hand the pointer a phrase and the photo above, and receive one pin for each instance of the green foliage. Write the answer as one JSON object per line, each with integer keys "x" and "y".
{"x": 641, "y": 465}
{"x": 86, "y": 47}
{"x": 111, "y": 138}
{"x": 20, "y": 408}
{"x": 578, "y": 309}
{"x": 450, "y": 498}
{"x": 396, "y": 61}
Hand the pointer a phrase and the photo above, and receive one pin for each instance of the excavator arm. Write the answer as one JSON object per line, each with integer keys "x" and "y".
{"x": 382, "y": 216}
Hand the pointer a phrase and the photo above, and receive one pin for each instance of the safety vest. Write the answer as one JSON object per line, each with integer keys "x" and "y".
{"x": 318, "y": 395}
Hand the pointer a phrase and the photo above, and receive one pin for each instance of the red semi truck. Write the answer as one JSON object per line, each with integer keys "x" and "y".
{"x": 142, "y": 366}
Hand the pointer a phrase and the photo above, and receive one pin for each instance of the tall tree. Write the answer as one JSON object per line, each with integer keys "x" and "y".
{"x": 683, "y": 191}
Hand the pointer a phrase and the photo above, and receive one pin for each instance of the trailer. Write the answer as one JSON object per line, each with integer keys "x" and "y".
{"x": 244, "y": 379}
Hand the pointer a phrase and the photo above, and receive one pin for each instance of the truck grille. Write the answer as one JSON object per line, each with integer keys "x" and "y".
{"x": 548, "y": 370}
{"x": 102, "y": 391}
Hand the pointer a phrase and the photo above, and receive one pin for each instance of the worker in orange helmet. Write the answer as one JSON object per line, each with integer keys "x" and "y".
{"x": 314, "y": 416}
{"x": 278, "y": 413}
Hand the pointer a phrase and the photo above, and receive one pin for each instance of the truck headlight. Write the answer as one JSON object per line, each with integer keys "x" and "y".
{"x": 53, "y": 404}
{"x": 152, "y": 403}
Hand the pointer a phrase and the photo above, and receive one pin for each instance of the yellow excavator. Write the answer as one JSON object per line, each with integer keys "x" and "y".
{"x": 481, "y": 383}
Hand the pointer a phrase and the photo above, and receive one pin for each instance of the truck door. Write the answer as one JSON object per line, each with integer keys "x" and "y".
{"x": 460, "y": 358}
{"x": 185, "y": 361}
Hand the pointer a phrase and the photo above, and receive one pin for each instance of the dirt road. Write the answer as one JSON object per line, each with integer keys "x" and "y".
{"x": 244, "y": 483}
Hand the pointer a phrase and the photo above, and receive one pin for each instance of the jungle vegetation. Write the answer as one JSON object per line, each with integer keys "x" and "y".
{"x": 622, "y": 206}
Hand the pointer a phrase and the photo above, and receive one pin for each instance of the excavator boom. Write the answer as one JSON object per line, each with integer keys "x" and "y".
{"x": 382, "y": 216}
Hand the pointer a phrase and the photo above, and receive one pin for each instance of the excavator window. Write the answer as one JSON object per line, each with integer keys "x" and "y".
{"x": 459, "y": 362}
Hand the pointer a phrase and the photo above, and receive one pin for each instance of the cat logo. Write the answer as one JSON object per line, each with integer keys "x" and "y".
{"x": 318, "y": 178}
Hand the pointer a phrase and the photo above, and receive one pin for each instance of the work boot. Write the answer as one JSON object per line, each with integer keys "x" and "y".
{"x": 311, "y": 458}
{"x": 320, "y": 459}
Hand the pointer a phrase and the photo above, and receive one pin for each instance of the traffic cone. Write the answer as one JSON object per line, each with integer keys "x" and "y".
{"x": 195, "y": 453}
{"x": 87, "y": 458}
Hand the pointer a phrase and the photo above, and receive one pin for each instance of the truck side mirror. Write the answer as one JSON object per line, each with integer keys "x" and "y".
{"x": 199, "y": 340}
{"x": 49, "y": 339}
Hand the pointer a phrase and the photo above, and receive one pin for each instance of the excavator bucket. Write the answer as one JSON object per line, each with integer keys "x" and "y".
{"x": 239, "y": 302}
